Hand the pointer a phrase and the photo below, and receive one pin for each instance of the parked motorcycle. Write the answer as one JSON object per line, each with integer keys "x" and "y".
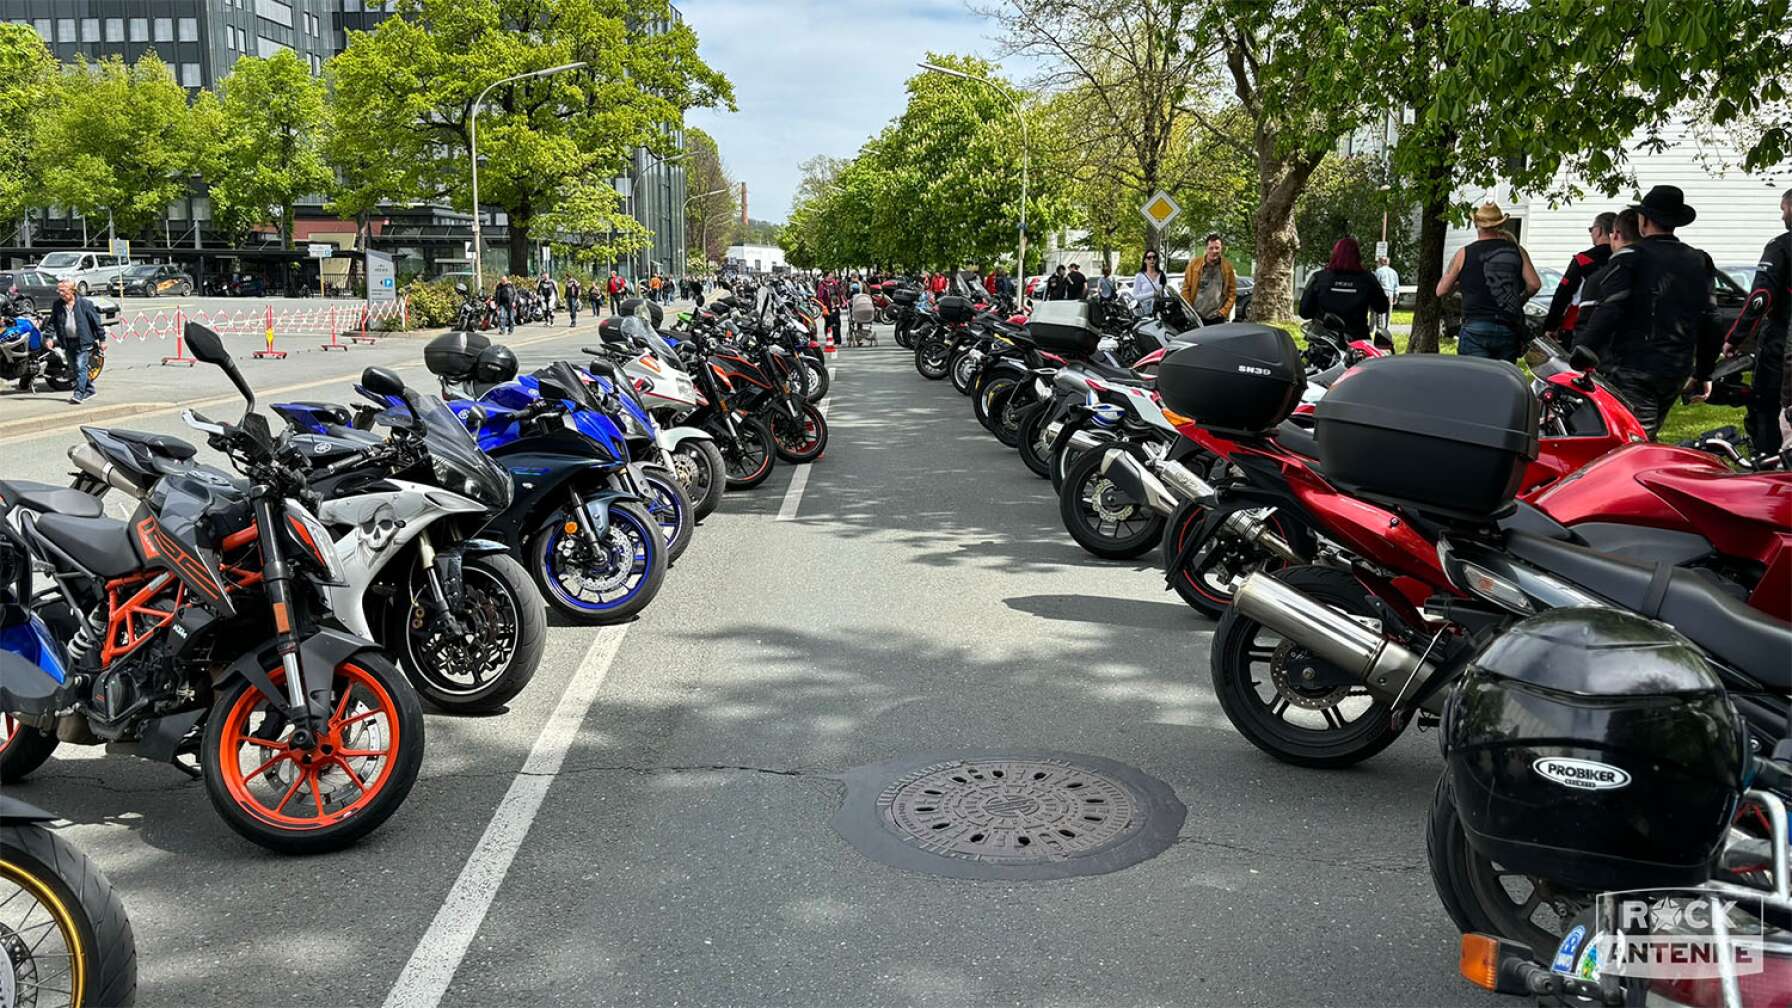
{"x": 28, "y": 356}
{"x": 63, "y": 930}
{"x": 200, "y": 628}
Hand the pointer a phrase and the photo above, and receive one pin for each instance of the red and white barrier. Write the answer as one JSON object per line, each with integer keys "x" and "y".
{"x": 361, "y": 323}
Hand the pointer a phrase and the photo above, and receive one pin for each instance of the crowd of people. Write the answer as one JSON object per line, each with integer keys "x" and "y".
{"x": 570, "y": 294}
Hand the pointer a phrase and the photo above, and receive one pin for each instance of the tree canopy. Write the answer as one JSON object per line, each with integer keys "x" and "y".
{"x": 546, "y": 143}
{"x": 268, "y": 151}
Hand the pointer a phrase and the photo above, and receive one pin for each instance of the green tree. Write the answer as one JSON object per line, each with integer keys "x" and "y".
{"x": 1548, "y": 96}
{"x": 27, "y": 83}
{"x": 119, "y": 141}
{"x": 269, "y": 151}
{"x": 713, "y": 212}
{"x": 411, "y": 86}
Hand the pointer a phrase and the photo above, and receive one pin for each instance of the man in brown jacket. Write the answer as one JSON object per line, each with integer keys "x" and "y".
{"x": 1210, "y": 284}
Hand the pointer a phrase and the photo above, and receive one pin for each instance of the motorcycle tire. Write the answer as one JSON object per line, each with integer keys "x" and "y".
{"x": 1011, "y": 413}
{"x": 886, "y": 316}
{"x": 1339, "y": 743}
{"x": 704, "y": 474}
{"x": 1198, "y": 584}
{"x": 95, "y": 951}
{"x": 1132, "y": 536}
{"x": 671, "y": 507}
{"x": 1034, "y": 451}
{"x": 992, "y": 394}
{"x": 933, "y": 358}
{"x": 1478, "y": 894}
{"x": 819, "y": 381}
{"x": 905, "y": 338}
{"x": 502, "y": 607}
{"x": 628, "y": 519}
{"x": 232, "y": 743}
{"x": 22, "y": 749}
{"x": 751, "y": 456}
{"x": 963, "y": 369}
{"x": 801, "y": 444}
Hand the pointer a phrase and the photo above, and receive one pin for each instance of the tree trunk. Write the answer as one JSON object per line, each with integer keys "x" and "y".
{"x": 1427, "y": 316}
{"x": 286, "y": 226}
{"x": 1279, "y": 185}
{"x": 519, "y": 245}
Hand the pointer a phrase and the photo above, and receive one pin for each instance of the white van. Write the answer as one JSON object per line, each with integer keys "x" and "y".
{"x": 89, "y": 270}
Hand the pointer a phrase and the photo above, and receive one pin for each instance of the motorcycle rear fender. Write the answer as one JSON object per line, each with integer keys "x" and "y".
{"x": 319, "y": 655}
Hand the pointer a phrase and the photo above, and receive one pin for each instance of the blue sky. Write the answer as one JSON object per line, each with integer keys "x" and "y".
{"x": 814, "y": 77}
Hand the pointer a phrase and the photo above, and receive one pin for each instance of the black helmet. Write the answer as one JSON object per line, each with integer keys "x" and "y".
{"x": 610, "y": 331}
{"x": 495, "y": 365}
{"x": 1597, "y": 749}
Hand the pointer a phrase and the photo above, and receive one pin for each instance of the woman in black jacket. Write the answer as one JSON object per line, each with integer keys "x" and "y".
{"x": 1345, "y": 289}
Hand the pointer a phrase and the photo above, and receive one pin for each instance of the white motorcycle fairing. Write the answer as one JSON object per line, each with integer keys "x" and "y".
{"x": 380, "y": 526}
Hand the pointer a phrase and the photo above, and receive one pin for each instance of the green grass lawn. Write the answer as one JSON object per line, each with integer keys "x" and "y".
{"x": 1684, "y": 422}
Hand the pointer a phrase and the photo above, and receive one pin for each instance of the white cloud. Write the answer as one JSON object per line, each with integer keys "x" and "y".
{"x": 812, "y": 77}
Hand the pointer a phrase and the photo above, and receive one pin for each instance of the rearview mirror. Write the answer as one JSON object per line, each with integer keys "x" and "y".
{"x": 383, "y": 382}
{"x": 1582, "y": 359}
{"x": 206, "y": 345}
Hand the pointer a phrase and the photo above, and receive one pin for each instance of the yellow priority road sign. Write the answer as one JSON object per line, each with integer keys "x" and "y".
{"x": 1160, "y": 210}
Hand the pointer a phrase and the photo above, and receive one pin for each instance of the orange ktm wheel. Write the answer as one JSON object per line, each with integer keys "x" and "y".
{"x": 307, "y": 800}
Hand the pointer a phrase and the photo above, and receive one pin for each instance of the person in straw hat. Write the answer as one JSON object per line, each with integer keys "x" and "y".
{"x": 1656, "y": 326}
{"x": 1496, "y": 279}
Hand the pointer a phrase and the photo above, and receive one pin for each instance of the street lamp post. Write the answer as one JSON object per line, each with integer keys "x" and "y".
{"x": 703, "y": 232}
{"x": 1020, "y": 261}
{"x": 473, "y": 150}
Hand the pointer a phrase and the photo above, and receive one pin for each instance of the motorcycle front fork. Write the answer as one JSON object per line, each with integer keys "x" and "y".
{"x": 307, "y": 713}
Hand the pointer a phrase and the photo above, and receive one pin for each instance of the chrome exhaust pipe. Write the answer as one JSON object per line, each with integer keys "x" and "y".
{"x": 1139, "y": 483}
{"x": 1247, "y": 526}
{"x": 1388, "y": 669}
{"x": 1185, "y": 482}
{"x": 88, "y": 459}
{"x": 1082, "y": 440}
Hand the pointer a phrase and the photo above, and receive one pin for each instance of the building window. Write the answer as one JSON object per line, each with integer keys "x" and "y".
{"x": 265, "y": 47}
{"x": 90, "y": 29}
{"x": 139, "y": 29}
{"x": 115, "y": 29}
{"x": 65, "y": 29}
{"x": 189, "y": 29}
{"x": 202, "y": 208}
{"x": 351, "y": 6}
{"x": 164, "y": 29}
{"x": 276, "y": 11}
{"x": 42, "y": 27}
{"x": 189, "y": 75}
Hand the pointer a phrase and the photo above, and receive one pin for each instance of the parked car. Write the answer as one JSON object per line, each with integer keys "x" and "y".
{"x": 1742, "y": 273}
{"x": 90, "y": 271}
{"x": 154, "y": 279}
{"x": 29, "y": 289}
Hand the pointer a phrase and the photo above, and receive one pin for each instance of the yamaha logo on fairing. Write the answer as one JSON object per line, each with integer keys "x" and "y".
{"x": 1584, "y": 775}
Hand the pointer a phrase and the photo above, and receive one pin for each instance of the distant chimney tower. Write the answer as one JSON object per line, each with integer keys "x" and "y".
{"x": 743, "y": 204}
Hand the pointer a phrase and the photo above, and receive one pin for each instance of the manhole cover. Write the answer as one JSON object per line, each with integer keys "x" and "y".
{"x": 1008, "y": 816}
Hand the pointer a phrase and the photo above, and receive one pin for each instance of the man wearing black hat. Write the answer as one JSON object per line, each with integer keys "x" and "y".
{"x": 1655, "y": 326}
{"x": 1766, "y": 316}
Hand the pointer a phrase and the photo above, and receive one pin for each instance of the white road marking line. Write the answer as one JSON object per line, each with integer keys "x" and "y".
{"x": 438, "y": 955}
{"x": 799, "y": 481}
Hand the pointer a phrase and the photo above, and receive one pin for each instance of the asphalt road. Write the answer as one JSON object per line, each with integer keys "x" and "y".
{"x": 650, "y": 822}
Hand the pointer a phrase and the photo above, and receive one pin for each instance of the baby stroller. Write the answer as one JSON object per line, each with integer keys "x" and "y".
{"x": 863, "y": 312}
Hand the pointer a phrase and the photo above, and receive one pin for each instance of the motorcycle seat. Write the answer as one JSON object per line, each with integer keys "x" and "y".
{"x": 102, "y": 545}
{"x": 1298, "y": 440}
{"x": 1747, "y": 639}
{"x": 1118, "y": 375}
{"x": 168, "y": 446}
{"x": 47, "y": 499}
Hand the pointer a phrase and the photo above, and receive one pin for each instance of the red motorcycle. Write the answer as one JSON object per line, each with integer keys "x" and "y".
{"x": 1209, "y": 548}
{"x": 1427, "y": 553}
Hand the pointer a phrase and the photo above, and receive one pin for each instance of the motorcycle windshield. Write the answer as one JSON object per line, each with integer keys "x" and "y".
{"x": 638, "y": 329}
{"x": 458, "y": 463}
